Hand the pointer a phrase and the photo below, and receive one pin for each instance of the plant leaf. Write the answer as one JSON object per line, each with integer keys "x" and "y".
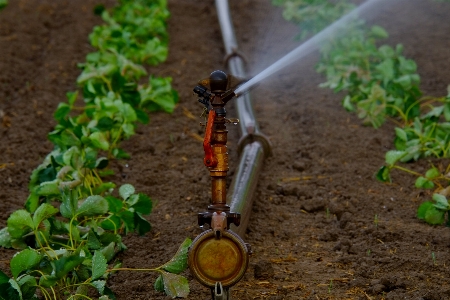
{"x": 175, "y": 285}
{"x": 32, "y": 202}
{"x": 65, "y": 264}
{"x": 115, "y": 205}
{"x": 401, "y": 134}
{"x": 424, "y": 183}
{"x": 383, "y": 174}
{"x": 422, "y": 210}
{"x": 434, "y": 216}
{"x": 20, "y": 223}
{"x": 432, "y": 173}
{"x": 62, "y": 111}
{"x": 99, "y": 285}
{"x": 28, "y": 286}
{"x": 48, "y": 188}
{"x": 43, "y": 212}
{"x": 178, "y": 263}
{"x": 99, "y": 140}
{"x": 5, "y": 238}
{"x": 24, "y": 260}
{"x": 393, "y": 156}
{"x": 98, "y": 265}
{"x": 441, "y": 202}
{"x": 159, "y": 284}
{"x": 126, "y": 191}
{"x": 143, "y": 204}
{"x": 93, "y": 206}
{"x": 141, "y": 225}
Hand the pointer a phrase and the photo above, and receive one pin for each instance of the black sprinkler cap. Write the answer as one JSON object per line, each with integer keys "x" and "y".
{"x": 218, "y": 81}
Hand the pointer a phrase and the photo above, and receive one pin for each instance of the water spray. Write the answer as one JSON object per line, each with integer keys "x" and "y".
{"x": 310, "y": 45}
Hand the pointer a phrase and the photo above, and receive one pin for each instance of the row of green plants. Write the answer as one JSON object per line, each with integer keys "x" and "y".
{"x": 3, "y": 3}
{"x": 382, "y": 84}
{"x": 72, "y": 225}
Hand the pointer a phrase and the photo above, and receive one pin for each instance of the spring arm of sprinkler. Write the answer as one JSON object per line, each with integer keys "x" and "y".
{"x": 209, "y": 160}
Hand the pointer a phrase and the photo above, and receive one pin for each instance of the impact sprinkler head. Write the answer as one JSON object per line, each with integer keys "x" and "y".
{"x": 218, "y": 81}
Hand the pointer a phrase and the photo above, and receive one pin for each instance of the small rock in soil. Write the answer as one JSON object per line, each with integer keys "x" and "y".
{"x": 263, "y": 270}
{"x": 378, "y": 289}
{"x": 313, "y": 205}
{"x": 345, "y": 218}
{"x": 300, "y": 166}
{"x": 329, "y": 236}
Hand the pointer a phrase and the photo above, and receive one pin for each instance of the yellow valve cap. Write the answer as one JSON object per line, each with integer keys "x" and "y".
{"x": 214, "y": 260}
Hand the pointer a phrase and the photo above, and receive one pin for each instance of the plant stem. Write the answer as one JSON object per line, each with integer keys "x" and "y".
{"x": 406, "y": 170}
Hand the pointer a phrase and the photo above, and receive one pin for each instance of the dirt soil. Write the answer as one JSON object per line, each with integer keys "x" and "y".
{"x": 321, "y": 227}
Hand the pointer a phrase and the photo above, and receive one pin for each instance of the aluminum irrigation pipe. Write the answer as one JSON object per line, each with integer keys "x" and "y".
{"x": 253, "y": 145}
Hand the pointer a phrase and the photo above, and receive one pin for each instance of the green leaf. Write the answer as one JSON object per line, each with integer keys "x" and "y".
{"x": 441, "y": 202}
{"x": 142, "y": 116}
{"x": 71, "y": 97}
{"x": 3, "y": 277}
{"x": 128, "y": 113}
{"x": 401, "y": 134}
{"x": 178, "y": 263}
{"x": 348, "y": 104}
{"x": 111, "y": 223}
{"x": 62, "y": 111}
{"x": 143, "y": 204}
{"x": 104, "y": 187}
{"x": 28, "y": 286}
{"x": 93, "y": 206}
{"x": 82, "y": 289}
{"x": 67, "y": 264}
{"x": 127, "y": 218}
{"x": 434, "y": 216}
{"x": 48, "y": 188}
{"x": 5, "y": 238}
{"x": 447, "y": 112}
{"x": 99, "y": 140}
{"x": 19, "y": 223}
{"x": 101, "y": 163}
{"x": 69, "y": 139}
{"x": 23, "y": 261}
{"x": 175, "y": 285}
{"x": 141, "y": 225}
{"x": 393, "y": 156}
{"x": 115, "y": 205}
{"x": 92, "y": 241}
{"x": 379, "y": 32}
{"x": 32, "y": 202}
{"x": 105, "y": 124}
{"x": 43, "y": 212}
{"x": 99, "y": 265}
{"x": 48, "y": 281}
{"x": 432, "y": 173}
{"x": 126, "y": 191}
{"x": 109, "y": 251}
{"x": 16, "y": 287}
{"x": 100, "y": 286}
{"x": 383, "y": 174}
{"x": 120, "y": 154}
{"x": 69, "y": 204}
{"x": 159, "y": 284}
{"x": 9, "y": 292}
{"x": 424, "y": 183}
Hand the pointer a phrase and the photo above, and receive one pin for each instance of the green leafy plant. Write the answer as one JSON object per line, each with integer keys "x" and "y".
{"x": 3, "y": 3}
{"x": 71, "y": 273}
{"x": 382, "y": 84}
{"x": 72, "y": 223}
{"x": 313, "y": 15}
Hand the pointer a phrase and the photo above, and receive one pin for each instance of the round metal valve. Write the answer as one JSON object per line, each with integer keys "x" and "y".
{"x": 213, "y": 260}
